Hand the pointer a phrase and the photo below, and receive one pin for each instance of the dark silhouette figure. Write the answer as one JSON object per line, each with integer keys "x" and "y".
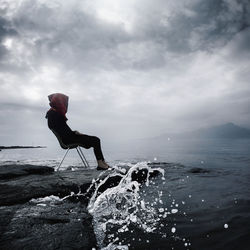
{"x": 56, "y": 116}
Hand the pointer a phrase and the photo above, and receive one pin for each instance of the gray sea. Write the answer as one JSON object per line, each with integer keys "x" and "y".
{"x": 200, "y": 199}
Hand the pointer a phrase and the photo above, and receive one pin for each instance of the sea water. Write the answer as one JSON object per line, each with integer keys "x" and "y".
{"x": 199, "y": 200}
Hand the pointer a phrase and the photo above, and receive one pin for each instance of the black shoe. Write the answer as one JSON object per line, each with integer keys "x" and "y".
{"x": 99, "y": 168}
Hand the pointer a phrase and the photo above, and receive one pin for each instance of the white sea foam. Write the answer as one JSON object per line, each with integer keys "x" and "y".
{"x": 47, "y": 199}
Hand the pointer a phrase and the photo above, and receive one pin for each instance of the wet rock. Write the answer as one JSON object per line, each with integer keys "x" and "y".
{"x": 13, "y": 171}
{"x": 25, "y": 187}
{"x": 159, "y": 163}
{"x": 198, "y": 171}
{"x": 6, "y": 213}
{"x": 47, "y": 226}
{"x": 27, "y": 222}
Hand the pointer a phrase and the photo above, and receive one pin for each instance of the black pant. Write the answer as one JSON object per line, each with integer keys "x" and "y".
{"x": 87, "y": 141}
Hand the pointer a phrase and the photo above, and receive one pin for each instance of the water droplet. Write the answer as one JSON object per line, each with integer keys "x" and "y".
{"x": 173, "y": 229}
{"x": 225, "y": 225}
{"x": 174, "y": 211}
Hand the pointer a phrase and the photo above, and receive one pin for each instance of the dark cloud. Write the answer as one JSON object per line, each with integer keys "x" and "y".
{"x": 74, "y": 38}
{"x": 6, "y": 30}
{"x": 197, "y": 25}
{"x": 21, "y": 107}
{"x": 140, "y": 67}
{"x": 78, "y": 39}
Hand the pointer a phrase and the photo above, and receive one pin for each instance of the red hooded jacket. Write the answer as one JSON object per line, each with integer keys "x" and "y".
{"x": 59, "y": 103}
{"x": 56, "y": 116}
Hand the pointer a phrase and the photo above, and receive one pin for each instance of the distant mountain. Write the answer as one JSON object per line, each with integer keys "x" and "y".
{"x": 225, "y": 131}
{"x": 229, "y": 130}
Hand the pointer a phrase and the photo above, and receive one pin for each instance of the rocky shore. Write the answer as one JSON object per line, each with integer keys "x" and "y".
{"x": 40, "y": 208}
{"x": 26, "y": 223}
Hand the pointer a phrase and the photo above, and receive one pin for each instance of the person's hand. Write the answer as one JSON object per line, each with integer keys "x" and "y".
{"x": 77, "y": 133}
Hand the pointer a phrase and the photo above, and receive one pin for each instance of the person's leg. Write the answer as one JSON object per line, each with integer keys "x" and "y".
{"x": 95, "y": 142}
{"x": 87, "y": 141}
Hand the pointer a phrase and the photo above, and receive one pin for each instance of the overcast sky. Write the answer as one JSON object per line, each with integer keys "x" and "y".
{"x": 134, "y": 68}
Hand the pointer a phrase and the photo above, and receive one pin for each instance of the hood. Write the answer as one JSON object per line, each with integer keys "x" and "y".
{"x": 59, "y": 103}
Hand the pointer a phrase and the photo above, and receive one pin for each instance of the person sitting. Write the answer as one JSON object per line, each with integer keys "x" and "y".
{"x": 57, "y": 119}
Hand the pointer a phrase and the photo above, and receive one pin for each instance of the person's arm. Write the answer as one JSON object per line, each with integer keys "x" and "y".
{"x": 57, "y": 122}
{"x": 77, "y": 132}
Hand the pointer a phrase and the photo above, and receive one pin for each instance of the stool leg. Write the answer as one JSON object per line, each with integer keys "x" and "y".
{"x": 62, "y": 160}
{"x": 78, "y": 151}
{"x": 84, "y": 156}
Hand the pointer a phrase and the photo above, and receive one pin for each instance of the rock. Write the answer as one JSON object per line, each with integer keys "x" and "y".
{"x": 199, "y": 171}
{"x": 13, "y": 171}
{"x": 51, "y": 226}
{"x": 25, "y": 224}
{"x": 22, "y": 189}
{"x": 28, "y": 221}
